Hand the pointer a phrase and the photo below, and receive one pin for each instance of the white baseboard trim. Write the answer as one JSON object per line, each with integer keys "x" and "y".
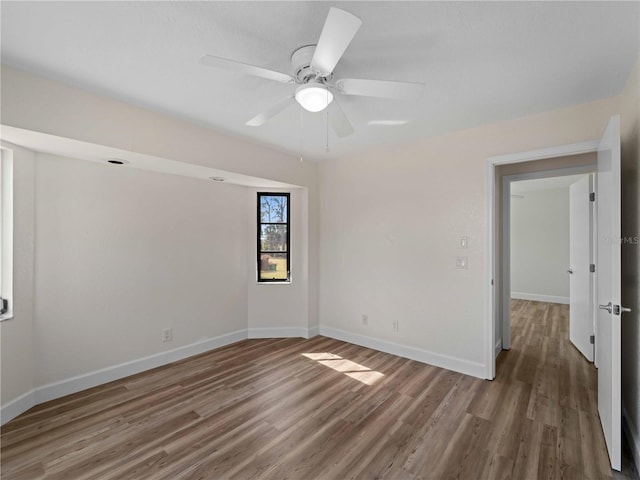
{"x": 109, "y": 374}
{"x": 313, "y": 331}
{"x": 443, "y": 361}
{"x": 632, "y": 436}
{"x": 17, "y": 406}
{"x": 534, "y": 297}
{"x": 68, "y": 386}
{"x": 278, "y": 332}
{"x": 105, "y": 375}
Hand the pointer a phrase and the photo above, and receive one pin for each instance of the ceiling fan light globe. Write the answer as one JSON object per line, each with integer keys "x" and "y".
{"x": 313, "y": 97}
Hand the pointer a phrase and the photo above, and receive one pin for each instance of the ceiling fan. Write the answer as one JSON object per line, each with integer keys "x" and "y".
{"x": 312, "y": 72}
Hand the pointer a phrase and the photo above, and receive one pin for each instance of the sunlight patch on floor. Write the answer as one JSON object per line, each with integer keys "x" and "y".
{"x": 351, "y": 369}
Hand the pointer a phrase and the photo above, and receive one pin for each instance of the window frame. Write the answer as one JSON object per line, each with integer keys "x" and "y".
{"x": 259, "y": 251}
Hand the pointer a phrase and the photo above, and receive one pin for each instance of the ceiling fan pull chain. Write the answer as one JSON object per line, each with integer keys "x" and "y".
{"x": 301, "y": 133}
{"x": 327, "y": 147}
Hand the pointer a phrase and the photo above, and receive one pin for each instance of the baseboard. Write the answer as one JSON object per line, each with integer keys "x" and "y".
{"x": 17, "y": 406}
{"x": 534, "y": 297}
{"x": 443, "y": 361}
{"x": 632, "y": 436}
{"x": 498, "y": 348}
{"x": 99, "y": 377}
{"x": 278, "y": 332}
{"x": 116, "y": 372}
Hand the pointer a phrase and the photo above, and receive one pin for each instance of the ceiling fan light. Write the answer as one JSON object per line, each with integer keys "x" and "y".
{"x": 313, "y": 97}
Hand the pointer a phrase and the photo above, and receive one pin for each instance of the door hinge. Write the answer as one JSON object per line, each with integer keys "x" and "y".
{"x": 592, "y": 267}
{"x": 592, "y": 197}
{"x": 4, "y": 305}
{"x": 592, "y": 339}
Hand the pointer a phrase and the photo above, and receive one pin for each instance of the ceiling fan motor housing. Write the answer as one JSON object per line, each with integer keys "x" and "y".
{"x": 301, "y": 65}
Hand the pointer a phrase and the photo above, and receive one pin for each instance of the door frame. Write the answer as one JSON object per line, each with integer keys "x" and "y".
{"x": 494, "y": 283}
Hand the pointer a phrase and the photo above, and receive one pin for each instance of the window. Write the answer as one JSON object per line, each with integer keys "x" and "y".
{"x": 273, "y": 237}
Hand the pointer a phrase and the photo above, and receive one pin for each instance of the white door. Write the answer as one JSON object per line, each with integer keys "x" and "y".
{"x": 609, "y": 289}
{"x": 580, "y": 276}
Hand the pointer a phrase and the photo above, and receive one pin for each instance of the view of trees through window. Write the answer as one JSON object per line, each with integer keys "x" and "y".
{"x": 273, "y": 237}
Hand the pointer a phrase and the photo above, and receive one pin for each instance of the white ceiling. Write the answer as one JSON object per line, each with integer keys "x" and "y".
{"x": 481, "y": 62}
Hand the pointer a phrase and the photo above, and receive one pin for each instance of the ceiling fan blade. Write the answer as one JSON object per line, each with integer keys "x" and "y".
{"x": 265, "y": 116}
{"x": 339, "y": 121}
{"x": 380, "y": 88}
{"x": 226, "y": 64}
{"x": 339, "y": 29}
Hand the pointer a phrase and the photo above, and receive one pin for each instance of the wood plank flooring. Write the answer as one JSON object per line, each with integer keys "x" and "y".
{"x": 323, "y": 409}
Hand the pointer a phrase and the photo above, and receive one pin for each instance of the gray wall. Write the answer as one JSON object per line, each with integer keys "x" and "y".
{"x": 540, "y": 245}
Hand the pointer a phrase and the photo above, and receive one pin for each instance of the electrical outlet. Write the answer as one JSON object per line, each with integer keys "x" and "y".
{"x": 461, "y": 262}
{"x": 365, "y": 319}
{"x": 167, "y": 335}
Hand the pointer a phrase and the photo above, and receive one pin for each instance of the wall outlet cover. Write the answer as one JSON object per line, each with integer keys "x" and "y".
{"x": 167, "y": 335}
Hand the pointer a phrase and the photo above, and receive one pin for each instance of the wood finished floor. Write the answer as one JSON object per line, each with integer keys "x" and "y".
{"x": 261, "y": 409}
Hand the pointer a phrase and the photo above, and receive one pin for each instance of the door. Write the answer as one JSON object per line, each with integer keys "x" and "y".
{"x": 580, "y": 276}
{"x": 608, "y": 290}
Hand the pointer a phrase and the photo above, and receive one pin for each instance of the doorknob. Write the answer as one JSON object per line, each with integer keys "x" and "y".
{"x": 570, "y": 270}
{"x": 606, "y": 307}
{"x": 617, "y": 309}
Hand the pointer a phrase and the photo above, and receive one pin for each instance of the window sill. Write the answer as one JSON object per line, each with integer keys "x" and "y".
{"x": 6, "y": 316}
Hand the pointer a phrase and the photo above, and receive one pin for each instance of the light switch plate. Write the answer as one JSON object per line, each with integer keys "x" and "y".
{"x": 463, "y": 242}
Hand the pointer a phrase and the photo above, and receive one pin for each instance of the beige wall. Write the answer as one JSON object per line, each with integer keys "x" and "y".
{"x": 37, "y": 104}
{"x": 122, "y": 254}
{"x": 630, "y": 126}
{"x": 17, "y": 353}
{"x": 88, "y": 328}
{"x": 389, "y": 224}
{"x": 42, "y": 105}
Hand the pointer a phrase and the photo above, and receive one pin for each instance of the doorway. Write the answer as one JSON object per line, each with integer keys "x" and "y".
{"x": 556, "y": 161}
{"x": 548, "y": 248}
{"x": 536, "y": 261}
{"x": 608, "y": 265}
